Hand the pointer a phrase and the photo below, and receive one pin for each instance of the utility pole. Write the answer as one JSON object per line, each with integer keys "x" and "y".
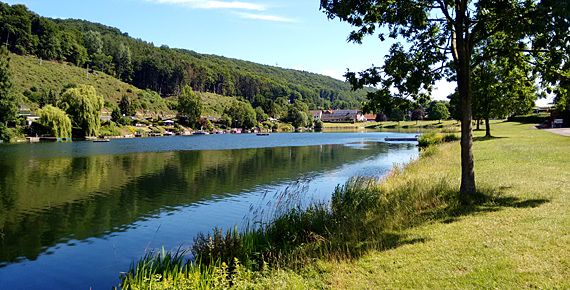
{"x": 87, "y": 77}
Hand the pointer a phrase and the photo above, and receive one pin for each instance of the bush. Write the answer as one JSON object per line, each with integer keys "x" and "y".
{"x": 433, "y": 138}
{"x": 10, "y": 134}
{"x": 125, "y": 121}
{"x": 530, "y": 119}
{"x": 429, "y": 139}
{"x": 318, "y": 124}
{"x": 110, "y": 130}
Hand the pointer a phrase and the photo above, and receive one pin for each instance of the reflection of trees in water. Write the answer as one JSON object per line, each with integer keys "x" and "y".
{"x": 45, "y": 200}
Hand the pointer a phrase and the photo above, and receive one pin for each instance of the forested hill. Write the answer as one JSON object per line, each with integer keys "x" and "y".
{"x": 163, "y": 69}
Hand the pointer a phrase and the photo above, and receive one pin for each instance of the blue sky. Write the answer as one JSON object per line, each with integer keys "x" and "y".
{"x": 285, "y": 33}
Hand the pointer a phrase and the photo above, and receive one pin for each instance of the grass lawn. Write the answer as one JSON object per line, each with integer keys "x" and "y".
{"x": 409, "y": 232}
{"x": 520, "y": 241}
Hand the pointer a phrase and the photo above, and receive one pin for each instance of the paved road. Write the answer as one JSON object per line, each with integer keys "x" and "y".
{"x": 560, "y": 131}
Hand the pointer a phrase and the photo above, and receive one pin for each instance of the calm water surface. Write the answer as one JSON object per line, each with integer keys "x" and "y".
{"x": 74, "y": 215}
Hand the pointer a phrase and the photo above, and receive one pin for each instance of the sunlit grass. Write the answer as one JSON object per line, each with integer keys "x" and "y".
{"x": 409, "y": 231}
{"x": 520, "y": 240}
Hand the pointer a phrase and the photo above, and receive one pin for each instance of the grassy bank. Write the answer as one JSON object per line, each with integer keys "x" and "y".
{"x": 518, "y": 241}
{"x": 392, "y": 125}
{"x": 408, "y": 232}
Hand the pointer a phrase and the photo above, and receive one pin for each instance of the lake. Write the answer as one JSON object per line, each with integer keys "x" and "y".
{"x": 74, "y": 215}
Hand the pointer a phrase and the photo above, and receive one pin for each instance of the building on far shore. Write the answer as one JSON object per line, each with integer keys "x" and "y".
{"x": 316, "y": 114}
{"x": 105, "y": 118}
{"x": 370, "y": 117}
{"x": 342, "y": 116}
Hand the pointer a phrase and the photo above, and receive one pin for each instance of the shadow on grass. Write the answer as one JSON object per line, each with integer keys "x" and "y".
{"x": 393, "y": 240}
{"x": 362, "y": 218}
{"x": 485, "y": 201}
{"x": 477, "y": 139}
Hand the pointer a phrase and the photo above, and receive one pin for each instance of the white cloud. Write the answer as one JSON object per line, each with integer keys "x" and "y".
{"x": 442, "y": 90}
{"x": 207, "y": 4}
{"x": 299, "y": 68}
{"x": 334, "y": 74}
{"x": 266, "y": 17}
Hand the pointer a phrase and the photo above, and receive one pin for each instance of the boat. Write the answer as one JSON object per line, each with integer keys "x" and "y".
{"x": 262, "y": 134}
{"x": 200, "y": 133}
{"x": 102, "y": 140}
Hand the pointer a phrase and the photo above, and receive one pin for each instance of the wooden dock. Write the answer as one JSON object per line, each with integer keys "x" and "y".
{"x": 401, "y": 139}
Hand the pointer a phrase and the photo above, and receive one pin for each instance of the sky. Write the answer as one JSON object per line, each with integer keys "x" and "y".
{"x": 291, "y": 34}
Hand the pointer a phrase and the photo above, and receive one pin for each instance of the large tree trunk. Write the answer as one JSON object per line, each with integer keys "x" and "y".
{"x": 463, "y": 68}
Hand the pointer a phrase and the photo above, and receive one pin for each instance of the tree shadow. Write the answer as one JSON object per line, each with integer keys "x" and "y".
{"x": 358, "y": 238}
{"x": 486, "y": 200}
{"x": 477, "y": 139}
{"x": 385, "y": 241}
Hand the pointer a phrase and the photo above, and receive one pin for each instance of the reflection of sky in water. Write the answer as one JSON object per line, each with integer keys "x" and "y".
{"x": 97, "y": 262}
{"x": 199, "y": 142}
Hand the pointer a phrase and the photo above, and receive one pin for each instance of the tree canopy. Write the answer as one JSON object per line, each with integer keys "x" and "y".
{"x": 190, "y": 105}
{"x": 439, "y": 112}
{"x": 167, "y": 70}
{"x": 56, "y": 121}
{"x": 240, "y": 114}
{"x": 502, "y": 87}
{"x": 84, "y": 106}
{"x": 8, "y": 98}
{"x": 436, "y": 39}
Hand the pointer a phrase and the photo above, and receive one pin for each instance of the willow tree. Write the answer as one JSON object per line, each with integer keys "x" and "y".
{"x": 56, "y": 121}
{"x": 84, "y": 107}
{"x": 437, "y": 39}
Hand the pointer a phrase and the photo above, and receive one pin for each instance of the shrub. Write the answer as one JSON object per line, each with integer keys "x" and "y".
{"x": 451, "y": 138}
{"x": 429, "y": 139}
{"x": 10, "y": 134}
{"x": 110, "y": 130}
{"x": 433, "y": 138}
{"x": 125, "y": 121}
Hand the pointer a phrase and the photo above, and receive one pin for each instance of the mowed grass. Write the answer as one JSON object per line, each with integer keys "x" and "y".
{"x": 521, "y": 240}
{"x": 410, "y": 232}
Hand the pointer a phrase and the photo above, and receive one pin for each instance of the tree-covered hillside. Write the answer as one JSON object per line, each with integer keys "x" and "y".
{"x": 164, "y": 70}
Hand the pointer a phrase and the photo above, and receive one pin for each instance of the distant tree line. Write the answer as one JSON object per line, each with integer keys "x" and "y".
{"x": 164, "y": 70}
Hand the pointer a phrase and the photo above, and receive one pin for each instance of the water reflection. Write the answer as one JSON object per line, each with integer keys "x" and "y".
{"x": 93, "y": 213}
{"x": 45, "y": 200}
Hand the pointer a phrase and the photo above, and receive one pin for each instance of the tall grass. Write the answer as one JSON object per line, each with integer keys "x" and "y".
{"x": 167, "y": 270}
{"x": 363, "y": 215}
{"x": 341, "y": 244}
